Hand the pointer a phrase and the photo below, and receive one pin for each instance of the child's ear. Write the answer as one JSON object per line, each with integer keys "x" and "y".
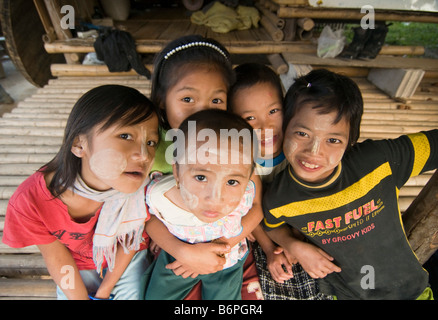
{"x": 78, "y": 146}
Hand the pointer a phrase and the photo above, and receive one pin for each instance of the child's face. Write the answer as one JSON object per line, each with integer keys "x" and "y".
{"x": 261, "y": 107}
{"x": 200, "y": 89}
{"x": 211, "y": 191}
{"x": 314, "y": 145}
{"x": 118, "y": 157}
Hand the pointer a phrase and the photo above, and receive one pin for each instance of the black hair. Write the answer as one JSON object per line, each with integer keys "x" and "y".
{"x": 218, "y": 120}
{"x": 169, "y": 64}
{"x": 250, "y": 74}
{"x": 105, "y": 105}
{"x": 327, "y": 91}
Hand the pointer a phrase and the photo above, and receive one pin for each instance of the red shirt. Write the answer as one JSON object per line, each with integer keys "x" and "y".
{"x": 34, "y": 217}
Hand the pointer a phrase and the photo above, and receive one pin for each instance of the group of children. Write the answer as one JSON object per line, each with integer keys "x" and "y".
{"x": 236, "y": 192}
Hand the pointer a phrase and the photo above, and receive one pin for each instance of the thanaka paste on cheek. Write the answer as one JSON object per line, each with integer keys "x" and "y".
{"x": 191, "y": 200}
{"x": 334, "y": 159}
{"x": 108, "y": 164}
{"x": 289, "y": 149}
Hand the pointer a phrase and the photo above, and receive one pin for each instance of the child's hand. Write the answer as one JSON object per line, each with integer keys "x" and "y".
{"x": 275, "y": 261}
{"x": 315, "y": 261}
{"x": 181, "y": 270}
{"x": 290, "y": 258}
{"x": 201, "y": 258}
{"x": 251, "y": 237}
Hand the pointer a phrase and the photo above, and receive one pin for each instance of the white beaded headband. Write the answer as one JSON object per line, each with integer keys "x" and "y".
{"x": 194, "y": 44}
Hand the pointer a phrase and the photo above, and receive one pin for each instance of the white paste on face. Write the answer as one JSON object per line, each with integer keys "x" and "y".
{"x": 189, "y": 198}
{"x": 316, "y": 145}
{"x": 108, "y": 164}
{"x": 335, "y": 158}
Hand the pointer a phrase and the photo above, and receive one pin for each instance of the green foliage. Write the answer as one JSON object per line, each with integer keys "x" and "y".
{"x": 406, "y": 34}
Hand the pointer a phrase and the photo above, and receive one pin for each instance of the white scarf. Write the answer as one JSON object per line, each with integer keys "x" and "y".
{"x": 121, "y": 220}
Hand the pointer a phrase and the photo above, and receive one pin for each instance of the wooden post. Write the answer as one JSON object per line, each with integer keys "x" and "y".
{"x": 421, "y": 221}
{"x": 50, "y": 35}
{"x": 54, "y": 11}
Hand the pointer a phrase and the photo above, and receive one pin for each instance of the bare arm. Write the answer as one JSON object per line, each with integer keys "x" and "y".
{"x": 314, "y": 260}
{"x": 275, "y": 256}
{"x": 201, "y": 258}
{"x": 111, "y": 277}
{"x": 63, "y": 269}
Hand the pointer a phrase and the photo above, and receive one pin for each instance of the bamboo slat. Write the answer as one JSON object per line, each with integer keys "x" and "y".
{"x": 22, "y": 169}
{"x": 272, "y": 17}
{"x": 33, "y": 122}
{"x": 11, "y": 180}
{"x": 25, "y": 288}
{"x": 3, "y": 205}
{"x": 25, "y": 158}
{"x": 26, "y": 264}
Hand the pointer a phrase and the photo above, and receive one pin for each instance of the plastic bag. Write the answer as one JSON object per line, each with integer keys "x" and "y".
{"x": 330, "y": 43}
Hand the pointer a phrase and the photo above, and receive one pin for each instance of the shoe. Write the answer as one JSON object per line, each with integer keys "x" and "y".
{"x": 360, "y": 37}
{"x": 375, "y": 42}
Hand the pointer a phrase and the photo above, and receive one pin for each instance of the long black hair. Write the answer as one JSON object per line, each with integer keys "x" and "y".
{"x": 104, "y": 105}
{"x": 182, "y": 55}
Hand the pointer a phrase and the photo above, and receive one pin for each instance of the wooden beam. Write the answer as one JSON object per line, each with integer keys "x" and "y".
{"x": 279, "y": 65}
{"x": 421, "y": 221}
{"x": 45, "y": 20}
{"x": 27, "y": 288}
{"x": 380, "y": 61}
{"x": 355, "y": 14}
{"x": 397, "y": 83}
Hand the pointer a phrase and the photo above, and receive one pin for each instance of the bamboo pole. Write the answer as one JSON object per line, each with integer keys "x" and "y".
{"x": 26, "y": 288}
{"x": 304, "y": 34}
{"x": 12, "y": 265}
{"x": 272, "y": 17}
{"x": 421, "y": 221}
{"x": 85, "y": 70}
{"x": 306, "y": 24}
{"x": 24, "y": 169}
{"x": 347, "y": 14}
{"x": 235, "y": 48}
{"x": 275, "y": 33}
{"x": 279, "y": 65}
